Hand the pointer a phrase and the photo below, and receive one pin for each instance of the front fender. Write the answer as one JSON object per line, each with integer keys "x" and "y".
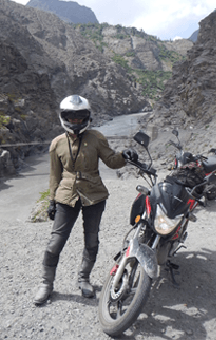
{"x": 146, "y": 257}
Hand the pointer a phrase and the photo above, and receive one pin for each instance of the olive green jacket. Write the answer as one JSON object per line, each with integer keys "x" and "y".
{"x": 71, "y": 179}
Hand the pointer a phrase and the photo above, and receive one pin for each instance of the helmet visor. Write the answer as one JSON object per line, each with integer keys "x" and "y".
{"x": 81, "y": 114}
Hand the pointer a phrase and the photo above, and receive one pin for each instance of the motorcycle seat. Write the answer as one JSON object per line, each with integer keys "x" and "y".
{"x": 210, "y": 164}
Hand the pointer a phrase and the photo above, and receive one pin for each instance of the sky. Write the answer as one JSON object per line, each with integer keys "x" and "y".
{"x": 165, "y": 19}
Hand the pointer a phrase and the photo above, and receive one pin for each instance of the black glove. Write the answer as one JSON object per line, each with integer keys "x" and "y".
{"x": 130, "y": 154}
{"x": 52, "y": 210}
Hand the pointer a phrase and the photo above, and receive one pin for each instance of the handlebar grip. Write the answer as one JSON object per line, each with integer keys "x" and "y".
{"x": 153, "y": 171}
{"x": 144, "y": 167}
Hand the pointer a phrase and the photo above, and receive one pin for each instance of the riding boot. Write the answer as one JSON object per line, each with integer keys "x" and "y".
{"x": 46, "y": 287}
{"x": 83, "y": 278}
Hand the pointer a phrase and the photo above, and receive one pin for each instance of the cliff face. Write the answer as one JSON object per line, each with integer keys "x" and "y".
{"x": 141, "y": 50}
{"x": 190, "y": 95}
{"x": 69, "y": 11}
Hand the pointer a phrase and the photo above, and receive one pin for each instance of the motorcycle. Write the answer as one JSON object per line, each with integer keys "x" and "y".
{"x": 182, "y": 158}
{"x": 159, "y": 218}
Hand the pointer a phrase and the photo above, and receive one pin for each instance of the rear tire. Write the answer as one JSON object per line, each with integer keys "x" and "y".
{"x": 119, "y": 313}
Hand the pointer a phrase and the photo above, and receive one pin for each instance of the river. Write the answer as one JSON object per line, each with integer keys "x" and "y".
{"x": 121, "y": 125}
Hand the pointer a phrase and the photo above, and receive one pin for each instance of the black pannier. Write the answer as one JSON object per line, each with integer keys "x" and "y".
{"x": 189, "y": 175}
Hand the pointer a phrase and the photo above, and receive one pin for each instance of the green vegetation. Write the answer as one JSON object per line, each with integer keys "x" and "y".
{"x": 44, "y": 195}
{"x": 165, "y": 54}
{"x": 43, "y": 204}
{"x": 94, "y": 32}
{"x": 121, "y": 61}
{"x": 130, "y": 54}
{"x": 11, "y": 97}
{"x": 153, "y": 82}
{"x": 4, "y": 120}
{"x": 18, "y": 109}
{"x": 23, "y": 116}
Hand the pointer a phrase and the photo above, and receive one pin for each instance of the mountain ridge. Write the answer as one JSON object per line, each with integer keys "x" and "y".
{"x": 69, "y": 11}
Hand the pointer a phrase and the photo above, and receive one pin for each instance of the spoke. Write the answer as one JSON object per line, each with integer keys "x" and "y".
{"x": 119, "y": 309}
{"x": 132, "y": 291}
{"x": 114, "y": 309}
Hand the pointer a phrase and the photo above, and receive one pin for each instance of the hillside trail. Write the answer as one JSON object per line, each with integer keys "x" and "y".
{"x": 183, "y": 313}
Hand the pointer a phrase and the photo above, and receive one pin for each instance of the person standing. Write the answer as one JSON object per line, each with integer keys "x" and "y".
{"x": 76, "y": 185}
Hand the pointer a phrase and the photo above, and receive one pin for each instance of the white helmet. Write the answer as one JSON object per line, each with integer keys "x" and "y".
{"x": 75, "y": 107}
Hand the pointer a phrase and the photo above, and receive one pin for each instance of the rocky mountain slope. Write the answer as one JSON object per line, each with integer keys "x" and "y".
{"x": 190, "y": 94}
{"x": 147, "y": 60}
{"x": 69, "y": 11}
{"x": 72, "y": 64}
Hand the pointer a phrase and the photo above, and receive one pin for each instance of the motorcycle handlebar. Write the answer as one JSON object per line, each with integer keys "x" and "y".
{"x": 177, "y": 146}
{"x": 144, "y": 167}
{"x": 200, "y": 156}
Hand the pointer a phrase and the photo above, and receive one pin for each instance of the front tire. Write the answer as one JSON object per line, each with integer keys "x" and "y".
{"x": 119, "y": 309}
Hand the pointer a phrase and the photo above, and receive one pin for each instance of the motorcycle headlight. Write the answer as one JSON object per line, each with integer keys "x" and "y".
{"x": 164, "y": 225}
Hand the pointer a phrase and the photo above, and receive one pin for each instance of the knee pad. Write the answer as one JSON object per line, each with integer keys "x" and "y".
{"x": 55, "y": 244}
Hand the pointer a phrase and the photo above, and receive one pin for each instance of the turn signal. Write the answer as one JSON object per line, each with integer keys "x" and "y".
{"x": 137, "y": 219}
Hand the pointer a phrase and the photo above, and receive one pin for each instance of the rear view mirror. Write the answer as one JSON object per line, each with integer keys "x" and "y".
{"x": 142, "y": 138}
{"x": 212, "y": 150}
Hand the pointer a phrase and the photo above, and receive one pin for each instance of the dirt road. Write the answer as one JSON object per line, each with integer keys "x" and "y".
{"x": 184, "y": 313}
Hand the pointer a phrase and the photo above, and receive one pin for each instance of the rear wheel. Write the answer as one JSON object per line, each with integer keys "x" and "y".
{"x": 120, "y": 307}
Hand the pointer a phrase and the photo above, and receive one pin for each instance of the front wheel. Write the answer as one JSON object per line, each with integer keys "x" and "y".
{"x": 119, "y": 308}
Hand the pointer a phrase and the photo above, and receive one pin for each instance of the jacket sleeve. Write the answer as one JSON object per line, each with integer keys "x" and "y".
{"x": 112, "y": 159}
{"x": 55, "y": 170}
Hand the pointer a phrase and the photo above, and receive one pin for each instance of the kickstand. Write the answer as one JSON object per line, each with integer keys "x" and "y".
{"x": 171, "y": 267}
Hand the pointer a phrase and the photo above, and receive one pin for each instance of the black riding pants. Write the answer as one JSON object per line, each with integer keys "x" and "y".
{"x": 65, "y": 219}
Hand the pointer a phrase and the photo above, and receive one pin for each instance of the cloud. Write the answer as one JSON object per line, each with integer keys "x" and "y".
{"x": 177, "y": 38}
{"x": 169, "y": 18}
